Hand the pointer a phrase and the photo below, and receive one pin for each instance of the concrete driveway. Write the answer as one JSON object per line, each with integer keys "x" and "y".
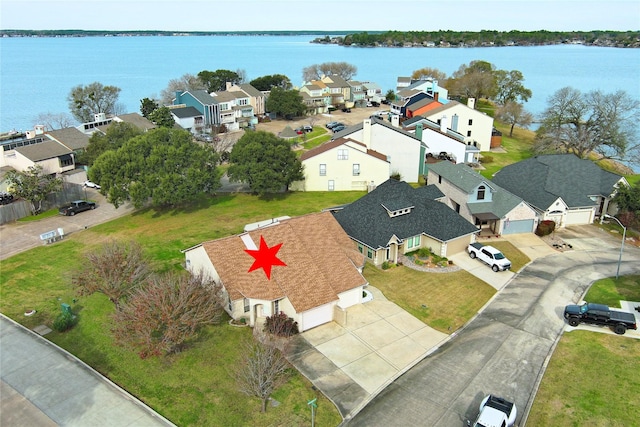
{"x": 504, "y": 350}
{"x": 350, "y": 363}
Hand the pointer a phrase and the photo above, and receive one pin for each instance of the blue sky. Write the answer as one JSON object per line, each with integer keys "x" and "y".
{"x": 227, "y": 15}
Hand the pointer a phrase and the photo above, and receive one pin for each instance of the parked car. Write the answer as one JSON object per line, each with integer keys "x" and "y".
{"x": 330, "y": 125}
{"x": 496, "y": 411}
{"x": 601, "y": 315}
{"x": 489, "y": 255}
{"x": 338, "y": 128}
{"x": 307, "y": 128}
{"x": 75, "y": 207}
{"x": 299, "y": 131}
{"x": 91, "y": 185}
{"x": 5, "y": 198}
{"x": 346, "y": 110}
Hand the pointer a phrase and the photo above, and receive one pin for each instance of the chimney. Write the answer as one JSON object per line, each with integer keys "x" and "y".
{"x": 471, "y": 103}
{"x": 395, "y": 120}
{"x": 366, "y": 133}
{"x": 39, "y": 129}
{"x": 435, "y": 96}
{"x": 178, "y": 96}
{"x": 419, "y": 131}
{"x": 444, "y": 124}
{"x": 229, "y": 85}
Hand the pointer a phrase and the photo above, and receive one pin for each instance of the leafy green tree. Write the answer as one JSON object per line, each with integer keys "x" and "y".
{"x": 285, "y": 103}
{"x": 274, "y": 80}
{"x": 85, "y": 101}
{"x": 265, "y": 162}
{"x": 341, "y": 69}
{"x": 163, "y": 166}
{"x": 216, "y": 81}
{"x": 390, "y": 95}
{"x": 33, "y": 185}
{"x": 627, "y": 198}
{"x": 476, "y": 80}
{"x": 117, "y": 134}
{"x": 510, "y": 87}
{"x": 148, "y": 106}
{"x": 514, "y": 114}
{"x": 606, "y": 124}
{"x": 162, "y": 117}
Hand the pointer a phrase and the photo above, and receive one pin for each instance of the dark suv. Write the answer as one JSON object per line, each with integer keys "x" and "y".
{"x": 75, "y": 207}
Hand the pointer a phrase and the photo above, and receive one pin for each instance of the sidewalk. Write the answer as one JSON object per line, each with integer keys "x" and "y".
{"x": 43, "y": 385}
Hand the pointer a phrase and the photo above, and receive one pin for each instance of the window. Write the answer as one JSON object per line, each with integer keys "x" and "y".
{"x": 468, "y": 133}
{"x": 470, "y": 122}
{"x": 229, "y": 304}
{"x": 456, "y": 207}
{"x": 246, "y": 305}
{"x": 439, "y": 179}
{"x": 66, "y": 160}
{"x": 413, "y": 242}
{"x": 276, "y": 307}
{"x": 332, "y": 185}
{"x": 356, "y": 169}
{"x": 360, "y": 249}
{"x": 323, "y": 169}
{"x": 481, "y": 191}
{"x": 343, "y": 154}
{"x": 369, "y": 253}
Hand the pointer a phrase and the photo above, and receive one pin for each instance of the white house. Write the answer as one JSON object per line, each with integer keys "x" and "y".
{"x": 321, "y": 275}
{"x": 475, "y": 126}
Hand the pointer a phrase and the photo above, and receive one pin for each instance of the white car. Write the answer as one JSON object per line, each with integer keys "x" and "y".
{"x": 496, "y": 412}
{"x": 91, "y": 185}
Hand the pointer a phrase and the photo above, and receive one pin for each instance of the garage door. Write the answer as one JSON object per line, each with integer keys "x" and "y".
{"x": 520, "y": 226}
{"x": 579, "y": 217}
{"x": 315, "y": 317}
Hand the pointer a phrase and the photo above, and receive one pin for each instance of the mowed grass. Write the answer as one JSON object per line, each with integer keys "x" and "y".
{"x": 593, "y": 378}
{"x": 517, "y": 258}
{"x": 190, "y": 388}
{"x": 444, "y": 301}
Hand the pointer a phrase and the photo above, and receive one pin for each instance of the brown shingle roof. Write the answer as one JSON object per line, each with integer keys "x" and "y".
{"x": 43, "y": 151}
{"x": 71, "y": 138}
{"x": 320, "y": 260}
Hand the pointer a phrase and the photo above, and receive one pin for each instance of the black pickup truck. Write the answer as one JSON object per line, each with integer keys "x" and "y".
{"x": 600, "y": 314}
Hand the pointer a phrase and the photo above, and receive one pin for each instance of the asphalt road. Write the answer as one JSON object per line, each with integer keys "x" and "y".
{"x": 504, "y": 350}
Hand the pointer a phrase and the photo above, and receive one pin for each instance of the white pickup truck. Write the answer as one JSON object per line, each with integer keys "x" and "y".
{"x": 490, "y": 256}
{"x": 496, "y": 412}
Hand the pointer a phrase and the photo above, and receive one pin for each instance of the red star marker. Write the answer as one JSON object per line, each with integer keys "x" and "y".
{"x": 265, "y": 257}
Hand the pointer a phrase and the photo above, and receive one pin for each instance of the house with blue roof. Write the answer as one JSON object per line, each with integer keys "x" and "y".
{"x": 494, "y": 210}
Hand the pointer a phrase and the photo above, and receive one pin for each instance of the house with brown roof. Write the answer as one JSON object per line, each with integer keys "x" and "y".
{"x": 320, "y": 278}
{"x": 343, "y": 164}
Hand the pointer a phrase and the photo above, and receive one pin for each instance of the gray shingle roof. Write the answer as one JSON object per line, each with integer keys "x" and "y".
{"x": 185, "y": 112}
{"x": 203, "y": 97}
{"x": 367, "y": 221}
{"x": 542, "y": 179}
{"x": 71, "y": 138}
{"x": 250, "y": 90}
{"x": 43, "y": 151}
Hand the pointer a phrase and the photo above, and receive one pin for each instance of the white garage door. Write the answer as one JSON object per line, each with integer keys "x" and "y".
{"x": 315, "y": 317}
{"x": 579, "y": 216}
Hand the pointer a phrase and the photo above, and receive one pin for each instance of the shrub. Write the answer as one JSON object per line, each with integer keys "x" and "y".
{"x": 396, "y": 175}
{"x": 63, "y": 322}
{"x": 281, "y": 325}
{"x": 424, "y": 253}
{"x": 386, "y": 265}
{"x": 545, "y": 228}
{"x": 487, "y": 159}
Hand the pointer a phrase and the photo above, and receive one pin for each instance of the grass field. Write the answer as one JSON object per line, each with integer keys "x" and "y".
{"x": 593, "y": 378}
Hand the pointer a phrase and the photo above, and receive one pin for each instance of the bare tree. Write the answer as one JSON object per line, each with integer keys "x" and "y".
{"x": 114, "y": 270}
{"x": 53, "y": 121}
{"x": 186, "y": 82}
{"x": 513, "y": 113}
{"x": 606, "y": 124}
{"x": 159, "y": 317}
{"x": 262, "y": 370}
{"x": 430, "y": 73}
{"x": 341, "y": 69}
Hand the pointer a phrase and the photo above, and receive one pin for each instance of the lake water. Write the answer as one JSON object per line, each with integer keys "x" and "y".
{"x": 38, "y": 73}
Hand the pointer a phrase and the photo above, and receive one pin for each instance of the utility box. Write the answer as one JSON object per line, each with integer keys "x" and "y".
{"x": 66, "y": 308}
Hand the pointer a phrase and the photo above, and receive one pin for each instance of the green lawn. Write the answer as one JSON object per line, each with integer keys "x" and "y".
{"x": 593, "y": 378}
{"x": 444, "y": 301}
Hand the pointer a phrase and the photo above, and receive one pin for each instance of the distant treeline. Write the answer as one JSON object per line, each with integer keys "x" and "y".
{"x": 486, "y": 38}
{"x": 100, "y": 33}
